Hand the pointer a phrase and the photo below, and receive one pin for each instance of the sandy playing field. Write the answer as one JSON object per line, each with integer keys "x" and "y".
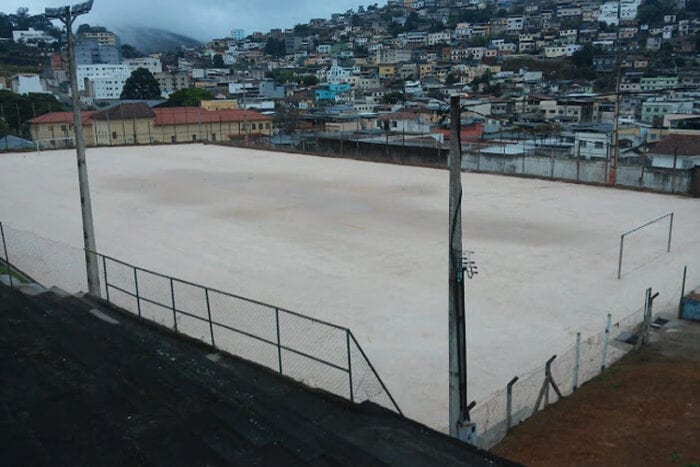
{"x": 364, "y": 245}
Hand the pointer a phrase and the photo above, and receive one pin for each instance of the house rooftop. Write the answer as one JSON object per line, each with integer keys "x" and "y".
{"x": 681, "y": 145}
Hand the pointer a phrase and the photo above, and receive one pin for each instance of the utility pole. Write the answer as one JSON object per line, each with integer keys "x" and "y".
{"x": 460, "y": 425}
{"x": 67, "y": 15}
{"x": 612, "y": 176}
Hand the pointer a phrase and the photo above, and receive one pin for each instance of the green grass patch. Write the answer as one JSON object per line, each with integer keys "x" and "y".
{"x": 15, "y": 276}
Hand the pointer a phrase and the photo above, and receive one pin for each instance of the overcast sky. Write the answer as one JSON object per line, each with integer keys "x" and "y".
{"x": 200, "y": 19}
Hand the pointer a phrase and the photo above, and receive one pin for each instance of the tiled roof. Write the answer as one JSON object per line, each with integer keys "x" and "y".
{"x": 195, "y": 115}
{"x": 125, "y": 111}
{"x": 685, "y": 145}
{"x": 63, "y": 117}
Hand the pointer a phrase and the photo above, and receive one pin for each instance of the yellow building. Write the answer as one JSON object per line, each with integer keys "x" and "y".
{"x": 220, "y": 104}
{"x": 136, "y": 123}
{"x": 55, "y": 130}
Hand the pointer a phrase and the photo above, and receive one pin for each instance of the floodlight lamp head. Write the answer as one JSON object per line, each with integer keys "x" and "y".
{"x": 81, "y": 8}
{"x": 55, "y": 13}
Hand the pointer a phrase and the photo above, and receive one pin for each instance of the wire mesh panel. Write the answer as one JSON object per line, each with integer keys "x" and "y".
{"x": 315, "y": 373}
{"x": 313, "y": 338}
{"x": 245, "y": 328}
{"x": 490, "y": 419}
{"x": 122, "y": 287}
{"x": 365, "y": 383}
{"x": 155, "y": 297}
{"x": 48, "y": 262}
{"x": 191, "y": 305}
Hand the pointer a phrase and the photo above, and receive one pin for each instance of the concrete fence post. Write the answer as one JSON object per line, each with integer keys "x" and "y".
{"x": 604, "y": 358}
{"x": 509, "y": 403}
{"x": 578, "y": 361}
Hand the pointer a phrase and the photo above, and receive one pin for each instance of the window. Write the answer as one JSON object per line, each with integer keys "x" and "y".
{"x": 254, "y": 127}
{"x": 173, "y": 139}
{"x": 114, "y": 135}
{"x": 194, "y": 137}
{"x": 213, "y": 136}
{"x": 598, "y": 145}
{"x": 583, "y": 144}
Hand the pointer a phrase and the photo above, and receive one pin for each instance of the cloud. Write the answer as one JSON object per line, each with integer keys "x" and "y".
{"x": 203, "y": 19}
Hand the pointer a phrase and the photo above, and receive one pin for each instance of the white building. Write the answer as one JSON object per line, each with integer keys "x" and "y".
{"x": 338, "y": 74}
{"x": 567, "y": 50}
{"x": 439, "y": 38}
{"x": 150, "y": 63}
{"x": 105, "y": 81}
{"x": 26, "y": 82}
{"x": 32, "y": 37}
{"x": 238, "y": 34}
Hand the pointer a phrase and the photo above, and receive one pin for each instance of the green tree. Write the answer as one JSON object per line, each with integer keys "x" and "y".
{"x": 19, "y": 108}
{"x": 141, "y": 85}
{"x": 282, "y": 75}
{"x": 129, "y": 51}
{"x": 392, "y": 97}
{"x": 189, "y": 97}
{"x": 583, "y": 57}
{"x": 309, "y": 80}
{"x": 275, "y": 47}
{"x": 218, "y": 61}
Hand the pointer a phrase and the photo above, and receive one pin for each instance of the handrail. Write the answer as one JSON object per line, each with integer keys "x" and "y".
{"x": 212, "y": 323}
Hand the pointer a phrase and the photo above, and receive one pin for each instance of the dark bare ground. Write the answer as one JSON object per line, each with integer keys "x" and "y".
{"x": 645, "y": 410}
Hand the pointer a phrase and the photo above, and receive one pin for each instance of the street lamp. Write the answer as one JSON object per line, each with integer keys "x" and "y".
{"x": 67, "y": 15}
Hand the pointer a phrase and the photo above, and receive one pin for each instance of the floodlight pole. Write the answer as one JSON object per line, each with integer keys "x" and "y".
{"x": 67, "y": 17}
{"x": 459, "y": 419}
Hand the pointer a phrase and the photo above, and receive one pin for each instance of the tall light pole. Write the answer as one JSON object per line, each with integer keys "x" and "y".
{"x": 67, "y": 15}
{"x": 459, "y": 419}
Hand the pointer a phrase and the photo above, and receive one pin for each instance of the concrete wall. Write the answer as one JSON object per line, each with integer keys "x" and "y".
{"x": 426, "y": 155}
{"x": 582, "y": 171}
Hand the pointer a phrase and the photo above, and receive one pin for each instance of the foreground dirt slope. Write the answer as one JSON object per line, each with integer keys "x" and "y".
{"x": 644, "y": 411}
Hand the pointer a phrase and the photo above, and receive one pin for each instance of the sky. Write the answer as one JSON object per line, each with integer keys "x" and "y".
{"x": 201, "y": 19}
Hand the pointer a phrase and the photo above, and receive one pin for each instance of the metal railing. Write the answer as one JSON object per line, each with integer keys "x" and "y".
{"x": 315, "y": 352}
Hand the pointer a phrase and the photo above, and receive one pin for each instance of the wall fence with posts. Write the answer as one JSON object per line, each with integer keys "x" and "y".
{"x": 317, "y": 353}
{"x": 561, "y": 375}
{"x": 630, "y": 174}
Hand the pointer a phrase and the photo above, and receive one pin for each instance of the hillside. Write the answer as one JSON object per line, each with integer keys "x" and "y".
{"x": 151, "y": 40}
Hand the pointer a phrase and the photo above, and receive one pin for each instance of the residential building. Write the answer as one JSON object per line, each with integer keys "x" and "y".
{"x": 676, "y": 151}
{"x": 54, "y": 130}
{"x": 151, "y": 64}
{"x": 102, "y": 36}
{"x": 655, "y": 83}
{"x": 32, "y": 37}
{"x": 25, "y": 83}
{"x": 91, "y": 52}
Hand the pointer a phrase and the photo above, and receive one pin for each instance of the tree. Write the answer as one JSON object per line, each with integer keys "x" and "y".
{"x": 218, "y": 61}
{"x": 275, "y": 47}
{"x": 282, "y": 75}
{"x": 189, "y": 97}
{"x": 393, "y": 97}
{"x": 141, "y": 85}
{"x": 309, "y": 80}
{"x": 584, "y": 56}
{"x": 19, "y": 108}
{"x": 129, "y": 51}
{"x": 451, "y": 79}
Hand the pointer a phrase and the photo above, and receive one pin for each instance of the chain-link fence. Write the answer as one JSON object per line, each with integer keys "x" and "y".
{"x": 561, "y": 375}
{"x": 319, "y": 354}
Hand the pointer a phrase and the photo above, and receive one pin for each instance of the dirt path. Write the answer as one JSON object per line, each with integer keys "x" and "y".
{"x": 643, "y": 411}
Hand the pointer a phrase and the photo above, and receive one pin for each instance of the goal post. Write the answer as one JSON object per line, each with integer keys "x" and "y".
{"x": 668, "y": 216}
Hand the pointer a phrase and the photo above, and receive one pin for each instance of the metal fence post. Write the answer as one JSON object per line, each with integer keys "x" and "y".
{"x": 347, "y": 341}
{"x": 509, "y": 403}
{"x": 605, "y": 345}
{"x": 7, "y": 258}
{"x": 211, "y": 325}
{"x": 619, "y": 263}
{"x": 279, "y": 341}
{"x": 578, "y": 360}
{"x": 172, "y": 298}
{"x": 104, "y": 269}
{"x": 670, "y": 234}
{"x": 136, "y": 288}
{"x": 680, "y": 302}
